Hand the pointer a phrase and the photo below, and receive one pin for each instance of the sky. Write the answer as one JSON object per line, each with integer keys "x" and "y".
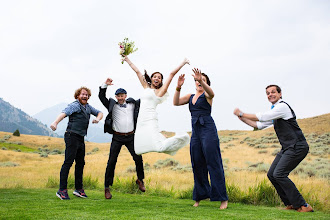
{"x": 48, "y": 49}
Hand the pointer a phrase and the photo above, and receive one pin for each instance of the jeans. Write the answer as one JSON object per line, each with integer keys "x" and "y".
{"x": 74, "y": 151}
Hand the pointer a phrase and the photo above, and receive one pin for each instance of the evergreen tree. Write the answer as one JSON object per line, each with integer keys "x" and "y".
{"x": 16, "y": 133}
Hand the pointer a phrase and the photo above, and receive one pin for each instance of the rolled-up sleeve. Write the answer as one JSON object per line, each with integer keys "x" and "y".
{"x": 264, "y": 124}
{"x": 71, "y": 108}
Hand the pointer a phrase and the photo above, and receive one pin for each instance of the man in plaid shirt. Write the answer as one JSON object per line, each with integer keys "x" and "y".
{"x": 79, "y": 114}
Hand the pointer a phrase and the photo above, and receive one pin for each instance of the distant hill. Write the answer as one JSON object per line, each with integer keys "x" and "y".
{"x": 95, "y": 132}
{"x": 317, "y": 124}
{"x": 12, "y": 118}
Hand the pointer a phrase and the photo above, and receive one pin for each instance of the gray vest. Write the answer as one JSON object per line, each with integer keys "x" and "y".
{"x": 78, "y": 122}
{"x": 288, "y": 131}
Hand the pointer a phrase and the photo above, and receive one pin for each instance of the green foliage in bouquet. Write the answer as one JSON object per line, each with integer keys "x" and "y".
{"x": 126, "y": 47}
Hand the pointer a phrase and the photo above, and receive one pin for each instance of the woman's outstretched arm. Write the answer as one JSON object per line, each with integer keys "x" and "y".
{"x": 177, "y": 100}
{"x": 138, "y": 73}
{"x": 168, "y": 81}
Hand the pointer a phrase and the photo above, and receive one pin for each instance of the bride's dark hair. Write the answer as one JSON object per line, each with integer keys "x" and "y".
{"x": 148, "y": 79}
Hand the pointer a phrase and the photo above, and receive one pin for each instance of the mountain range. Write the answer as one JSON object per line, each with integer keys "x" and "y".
{"x": 12, "y": 118}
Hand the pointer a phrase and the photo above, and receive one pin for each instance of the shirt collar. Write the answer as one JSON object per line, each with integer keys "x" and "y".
{"x": 278, "y": 102}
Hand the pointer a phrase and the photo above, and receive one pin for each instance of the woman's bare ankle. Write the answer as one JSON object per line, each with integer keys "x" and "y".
{"x": 224, "y": 204}
{"x": 196, "y": 204}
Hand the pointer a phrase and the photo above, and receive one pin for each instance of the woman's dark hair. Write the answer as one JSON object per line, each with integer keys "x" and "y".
{"x": 277, "y": 88}
{"x": 207, "y": 79}
{"x": 148, "y": 79}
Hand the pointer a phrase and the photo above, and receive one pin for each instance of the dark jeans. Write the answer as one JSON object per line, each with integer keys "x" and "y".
{"x": 74, "y": 151}
{"x": 283, "y": 164}
{"x": 116, "y": 144}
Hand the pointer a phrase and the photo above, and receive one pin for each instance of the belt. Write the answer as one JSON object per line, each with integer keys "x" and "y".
{"x": 123, "y": 134}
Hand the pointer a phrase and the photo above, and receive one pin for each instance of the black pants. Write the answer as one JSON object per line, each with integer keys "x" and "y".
{"x": 284, "y": 163}
{"x": 74, "y": 151}
{"x": 116, "y": 144}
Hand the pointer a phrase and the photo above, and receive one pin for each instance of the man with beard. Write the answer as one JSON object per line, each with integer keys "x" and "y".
{"x": 79, "y": 114}
{"x": 121, "y": 123}
{"x": 294, "y": 146}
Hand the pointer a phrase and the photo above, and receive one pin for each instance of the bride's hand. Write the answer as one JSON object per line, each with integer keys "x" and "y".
{"x": 125, "y": 58}
{"x": 186, "y": 61}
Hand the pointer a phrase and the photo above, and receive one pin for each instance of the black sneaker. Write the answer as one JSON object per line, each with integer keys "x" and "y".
{"x": 63, "y": 194}
{"x": 80, "y": 193}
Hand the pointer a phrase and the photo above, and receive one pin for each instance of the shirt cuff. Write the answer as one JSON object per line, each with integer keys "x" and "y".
{"x": 259, "y": 125}
{"x": 104, "y": 86}
{"x": 258, "y": 115}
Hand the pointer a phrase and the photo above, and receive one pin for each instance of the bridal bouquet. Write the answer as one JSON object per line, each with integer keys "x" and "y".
{"x": 126, "y": 48}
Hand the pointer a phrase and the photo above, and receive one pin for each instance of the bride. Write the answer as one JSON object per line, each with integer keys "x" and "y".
{"x": 147, "y": 135}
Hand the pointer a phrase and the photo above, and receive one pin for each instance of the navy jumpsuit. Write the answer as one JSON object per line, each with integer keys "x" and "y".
{"x": 205, "y": 153}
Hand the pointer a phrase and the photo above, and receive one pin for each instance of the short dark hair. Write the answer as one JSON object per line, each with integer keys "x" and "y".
{"x": 277, "y": 88}
{"x": 207, "y": 79}
{"x": 78, "y": 91}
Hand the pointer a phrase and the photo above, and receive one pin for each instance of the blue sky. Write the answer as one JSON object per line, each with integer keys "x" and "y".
{"x": 50, "y": 48}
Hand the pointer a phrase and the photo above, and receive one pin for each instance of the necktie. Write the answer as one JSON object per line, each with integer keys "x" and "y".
{"x": 122, "y": 105}
{"x": 272, "y": 108}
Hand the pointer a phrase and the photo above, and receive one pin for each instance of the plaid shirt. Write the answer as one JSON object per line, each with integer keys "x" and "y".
{"x": 75, "y": 107}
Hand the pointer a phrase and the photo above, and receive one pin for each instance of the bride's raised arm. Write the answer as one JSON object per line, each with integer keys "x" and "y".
{"x": 138, "y": 73}
{"x": 168, "y": 81}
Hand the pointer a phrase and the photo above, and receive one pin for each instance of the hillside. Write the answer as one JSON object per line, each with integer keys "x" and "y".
{"x": 12, "y": 118}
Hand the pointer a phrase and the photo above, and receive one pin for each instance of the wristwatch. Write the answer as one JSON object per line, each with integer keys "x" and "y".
{"x": 241, "y": 114}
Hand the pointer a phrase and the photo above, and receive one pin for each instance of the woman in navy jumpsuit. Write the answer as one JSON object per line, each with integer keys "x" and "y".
{"x": 204, "y": 145}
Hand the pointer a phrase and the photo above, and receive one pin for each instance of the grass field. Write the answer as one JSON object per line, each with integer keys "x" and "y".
{"x": 43, "y": 204}
{"x": 34, "y": 162}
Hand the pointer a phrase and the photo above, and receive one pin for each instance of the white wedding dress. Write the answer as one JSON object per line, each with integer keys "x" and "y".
{"x": 147, "y": 135}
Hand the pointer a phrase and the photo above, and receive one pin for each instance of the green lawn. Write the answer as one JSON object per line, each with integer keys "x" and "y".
{"x": 43, "y": 204}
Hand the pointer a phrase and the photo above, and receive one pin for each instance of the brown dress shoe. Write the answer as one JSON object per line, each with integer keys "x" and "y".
{"x": 289, "y": 207}
{"x": 305, "y": 209}
{"x": 107, "y": 193}
{"x": 141, "y": 185}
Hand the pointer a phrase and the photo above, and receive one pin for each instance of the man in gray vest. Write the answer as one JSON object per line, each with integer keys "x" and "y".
{"x": 294, "y": 146}
{"x": 121, "y": 122}
{"x": 79, "y": 114}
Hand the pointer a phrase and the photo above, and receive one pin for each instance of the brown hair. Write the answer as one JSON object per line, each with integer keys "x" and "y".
{"x": 207, "y": 79}
{"x": 148, "y": 78}
{"x": 78, "y": 91}
{"x": 277, "y": 88}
